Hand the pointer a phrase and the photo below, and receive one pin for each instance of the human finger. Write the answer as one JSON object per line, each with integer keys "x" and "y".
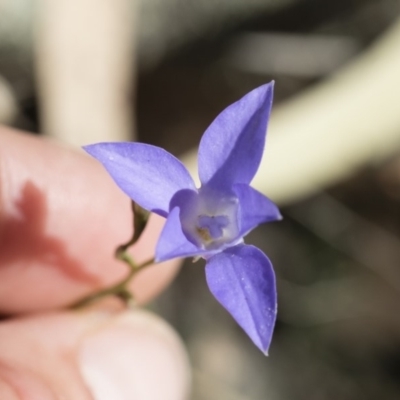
{"x": 92, "y": 355}
{"x": 61, "y": 218}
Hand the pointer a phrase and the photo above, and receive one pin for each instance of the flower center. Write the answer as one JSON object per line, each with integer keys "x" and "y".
{"x": 209, "y": 218}
{"x": 211, "y": 227}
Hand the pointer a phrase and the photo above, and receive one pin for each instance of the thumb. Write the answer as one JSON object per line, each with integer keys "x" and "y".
{"x": 92, "y": 355}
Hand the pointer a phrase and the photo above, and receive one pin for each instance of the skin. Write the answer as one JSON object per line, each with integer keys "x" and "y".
{"x": 61, "y": 218}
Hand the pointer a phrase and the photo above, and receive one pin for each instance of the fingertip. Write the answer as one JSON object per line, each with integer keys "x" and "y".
{"x": 93, "y": 355}
{"x": 137, "y": 354}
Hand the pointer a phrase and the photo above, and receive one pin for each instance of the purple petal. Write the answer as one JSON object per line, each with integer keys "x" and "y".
{"x": 243, "y": 281}
{"x": 232, "y": 146}
{"x": 173, "y": 242}
{"x": 254, "y": 208}
{"x": 147, "y": 174}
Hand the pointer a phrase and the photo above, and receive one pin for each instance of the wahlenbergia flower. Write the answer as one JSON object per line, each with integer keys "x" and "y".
{"x": 212, "y": 220}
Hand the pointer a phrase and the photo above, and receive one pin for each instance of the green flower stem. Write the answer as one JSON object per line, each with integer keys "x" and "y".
{"x": 120, "y": 289}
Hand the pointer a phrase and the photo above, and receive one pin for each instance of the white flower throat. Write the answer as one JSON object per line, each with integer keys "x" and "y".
{"x": 211, "y": 219}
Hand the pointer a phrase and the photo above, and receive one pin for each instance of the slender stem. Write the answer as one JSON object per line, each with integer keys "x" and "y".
{"x": 141, "y": 217}
{"x": 119, "y": 289}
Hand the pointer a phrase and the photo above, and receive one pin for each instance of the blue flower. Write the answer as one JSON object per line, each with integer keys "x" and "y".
{"x": 212, "y": 220}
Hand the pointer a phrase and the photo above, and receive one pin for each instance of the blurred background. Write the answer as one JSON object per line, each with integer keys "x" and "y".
{"x": 159, "y": 71}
